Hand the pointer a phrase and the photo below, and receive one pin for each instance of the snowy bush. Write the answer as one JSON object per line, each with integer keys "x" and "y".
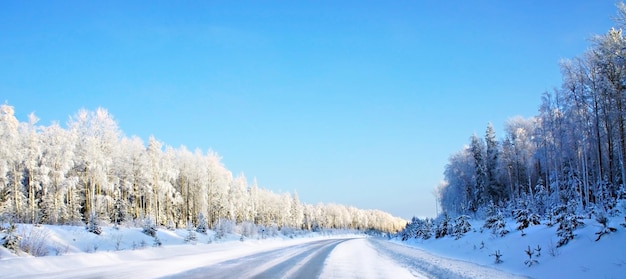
{"x": 524, "y": 219}
{"x": 425, "y": 231}
{"x": 191, "y": 237}
{"x": 498, "y": 256}
{"x": 34, "y": 241}
{"x": 272, "y": 230}
{"x": 411, "y": 229}
{"x": 568, "y": 222}
{"x": 248, "y": 229}
{"x": 223, "y": 227}
{"x": 120, "y": 213}
{"x": 157, "y": 242}
{"x": 461, "y": 226}
{"x": 191, "y": 234}
{"x": 530, "y": 261}
{"x": 603, "y": 220}
{"x": 170, "y": 225}
{"x": 149, "y": 228}
{"x": 496, "y": 224}
{"x": 202, "y": 226}
{"x": 12, "y": 239}
{"x": 93, "y": 225}
{"x": 443, "y": 227}
{"x": 566, "y": 228}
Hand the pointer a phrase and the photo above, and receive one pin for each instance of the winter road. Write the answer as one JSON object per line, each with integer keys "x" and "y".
{"x": 316, "y": 258}
{"x": 299, "y": 261}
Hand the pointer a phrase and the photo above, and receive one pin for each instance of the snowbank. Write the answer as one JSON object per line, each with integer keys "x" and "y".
{"x": 583, "y": 257}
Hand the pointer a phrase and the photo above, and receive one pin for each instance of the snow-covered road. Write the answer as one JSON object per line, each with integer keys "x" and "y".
{"x": 314, "y": 258}
{"x": 298, "y": 261}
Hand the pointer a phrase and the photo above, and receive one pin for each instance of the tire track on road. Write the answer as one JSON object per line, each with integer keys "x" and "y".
{"x": 298, "y": 261}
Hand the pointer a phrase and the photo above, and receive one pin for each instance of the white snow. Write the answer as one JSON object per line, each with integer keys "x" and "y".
{"x": 582, "y": 257}
{"x": 119, "y": 253}
{"x": 357, "y": 258}
{"x": 175, "y": 256}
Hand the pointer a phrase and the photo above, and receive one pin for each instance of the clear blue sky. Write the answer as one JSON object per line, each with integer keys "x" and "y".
{"x": 353, "y": 102}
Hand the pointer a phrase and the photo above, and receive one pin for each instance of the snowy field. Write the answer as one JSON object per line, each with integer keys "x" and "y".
{"x": 72, "y": 252}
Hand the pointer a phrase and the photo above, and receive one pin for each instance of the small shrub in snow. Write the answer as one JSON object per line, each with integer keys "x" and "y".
{"x": 118, "y": 242}
{"x": 12, "y": 239}
{"x": 191, "y": 236}
{"x": 530, "y": 261}
{"x": 498, "y": 256}
{"x": 34, "y": 242}
{"x": 149, "y": 228}
{"x": 603, "y": 220}
{"x": 202, "y": 227}
{"x": 157, "y": 242}
{"x": 170, "y": 225}
{"x": 248, "y": 229}
{"x": 552, "y": 251}
{"x": 60, "y": 250}
{"x": 223, "y": 227}
{"x": 272, "y": 231}
{"x": 93, "y": 225}
{"x": 538, "y": 251}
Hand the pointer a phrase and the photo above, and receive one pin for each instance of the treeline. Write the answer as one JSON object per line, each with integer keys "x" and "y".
{"x": 570, "y": 154}
{"x": 56, "y": 175}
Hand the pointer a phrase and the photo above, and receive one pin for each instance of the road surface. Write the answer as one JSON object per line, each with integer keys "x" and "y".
{"x": 320, "y": 258}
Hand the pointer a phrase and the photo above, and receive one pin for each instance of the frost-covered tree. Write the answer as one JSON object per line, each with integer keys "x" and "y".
{"x": 149, "y": 227}
{"x": 202, "y": 226}
{"x": 12, "y": 239}
{"x": 425, "y": 231}
{"x": 461, "y": 226}
{"x": 60, "y": 202}
{"x": 524, "y": 218}
{"x": 97, "y": 137}
{"x": 443, "y": 227}
{"x": 90, "y": 171}
{"x": 93, "y": 225}
{"x": 191, "y": 236}
{"x": 496, "y": 222}
{"x": 11, "y": 157}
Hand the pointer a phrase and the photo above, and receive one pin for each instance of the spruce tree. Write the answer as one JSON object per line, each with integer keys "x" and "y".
{"x": 12, "y": 239}
{"x": 461, "y": 226}
{"x": 149, "y": 228}
{"x": 93, "y": 225}
{"x": 495, "y": 222}
{"x": 202, "y": 224}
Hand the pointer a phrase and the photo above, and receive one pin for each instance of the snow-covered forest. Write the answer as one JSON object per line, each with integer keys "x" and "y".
{"x": 91, "y": 171}
{"x": 561, "y": 166}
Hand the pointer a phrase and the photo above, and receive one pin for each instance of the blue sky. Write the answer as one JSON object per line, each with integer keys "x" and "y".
{"x": 353, "y": 102}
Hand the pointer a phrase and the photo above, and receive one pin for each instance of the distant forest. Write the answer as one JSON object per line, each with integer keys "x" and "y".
{"x": 91, "y": 171}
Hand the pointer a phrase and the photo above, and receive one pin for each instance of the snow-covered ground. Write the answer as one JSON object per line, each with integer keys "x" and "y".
{"x": 127, "y": 252}
{"x": 582, "y": 257}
